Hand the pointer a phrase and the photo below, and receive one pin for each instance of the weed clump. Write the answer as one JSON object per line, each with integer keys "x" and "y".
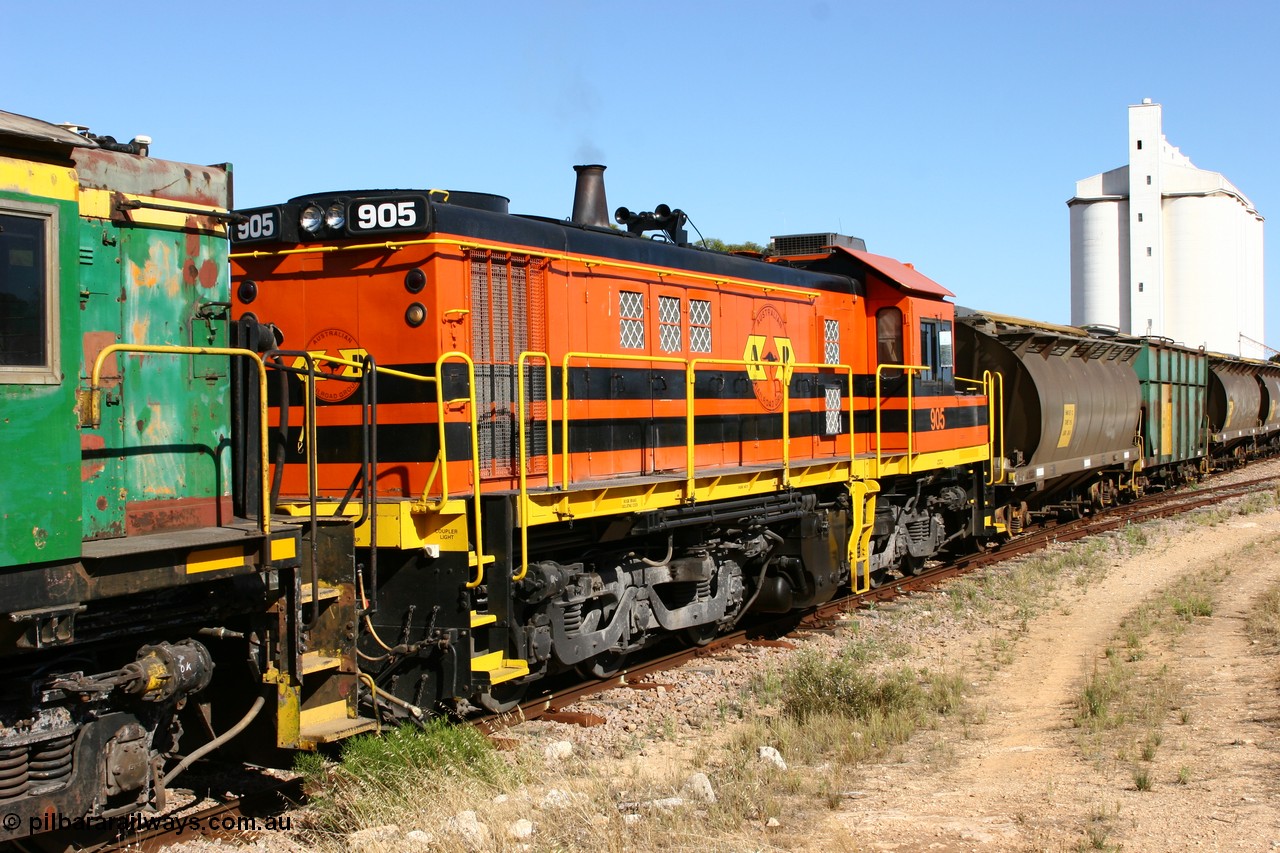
{"x": 378, "y": 775}
{"x": 838, "y": 686}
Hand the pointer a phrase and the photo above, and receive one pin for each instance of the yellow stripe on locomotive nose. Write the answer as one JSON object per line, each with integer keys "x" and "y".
{"x": 232, "y": 557}
{"x": 25, "y": 176}
{"x": 237, "y": 556}
{"x": 284, "y": 549}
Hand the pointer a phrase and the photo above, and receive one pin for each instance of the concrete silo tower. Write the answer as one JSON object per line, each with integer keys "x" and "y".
{"x": 1159, "y": 247}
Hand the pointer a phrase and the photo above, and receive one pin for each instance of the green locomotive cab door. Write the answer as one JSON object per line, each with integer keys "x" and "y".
{"x": 39, "y": 456}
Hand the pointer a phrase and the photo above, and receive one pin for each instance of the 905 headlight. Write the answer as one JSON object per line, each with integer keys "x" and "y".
{"x": 311, "y": 218}
{"x": 335, "y": 216}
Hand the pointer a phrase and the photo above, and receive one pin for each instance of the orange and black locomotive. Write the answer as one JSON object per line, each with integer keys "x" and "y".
{"x": 565, "y": 441}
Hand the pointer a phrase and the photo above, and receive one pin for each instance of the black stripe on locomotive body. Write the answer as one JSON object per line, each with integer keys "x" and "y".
{"x": 585, "y": 384}
{"x": 624, "y": 383}
{"x": 895, "y": 420}
{"x": 407, "y": 443}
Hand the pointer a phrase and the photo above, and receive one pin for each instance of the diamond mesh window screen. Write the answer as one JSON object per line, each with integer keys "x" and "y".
{"x": 833, "y": 411}
{"x": 669, "y": 323}
{"x": 631, "y": 323}
{"x": 831, "y": 337}
{"x": 699, "y": 325}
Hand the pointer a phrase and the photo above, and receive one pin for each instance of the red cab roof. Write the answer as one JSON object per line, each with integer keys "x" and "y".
{"x": 899, "y": 273}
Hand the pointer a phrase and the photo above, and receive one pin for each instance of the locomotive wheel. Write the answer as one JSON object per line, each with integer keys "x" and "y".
{"x": 911, "y": 566}
{"x": 700, "y": 635}
{"x": 603, "y": 665}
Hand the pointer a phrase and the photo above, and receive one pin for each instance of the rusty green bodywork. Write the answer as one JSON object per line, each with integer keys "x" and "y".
{"x": 159, "y": 459}
{"x": 126, "y": 270}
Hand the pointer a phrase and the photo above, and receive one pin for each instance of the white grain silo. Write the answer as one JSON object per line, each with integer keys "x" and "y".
{"x": 1159, "y": 247}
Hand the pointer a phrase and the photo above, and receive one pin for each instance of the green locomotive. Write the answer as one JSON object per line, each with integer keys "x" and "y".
{"x": 130, "y": 577}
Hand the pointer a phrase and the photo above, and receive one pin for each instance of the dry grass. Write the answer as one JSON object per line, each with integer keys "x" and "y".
{"x": 1263, "y": 622}
{"x": 1130, "y": 694}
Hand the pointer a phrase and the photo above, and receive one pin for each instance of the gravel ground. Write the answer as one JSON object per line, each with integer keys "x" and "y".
{"x": 1019, "y": 779}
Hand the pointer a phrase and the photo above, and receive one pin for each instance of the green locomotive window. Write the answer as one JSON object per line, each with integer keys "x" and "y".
{"x": 27, "y": 308}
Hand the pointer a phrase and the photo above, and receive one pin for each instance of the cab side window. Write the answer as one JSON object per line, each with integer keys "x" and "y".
{"x": 889, "y": 338}
{"x": 935, "y": 353}
{"x": 27, "y": 308}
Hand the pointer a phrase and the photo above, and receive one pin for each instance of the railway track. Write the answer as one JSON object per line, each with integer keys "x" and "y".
{"x": 558, "y": 705}
{"x": 244, "y": 816}
{"x": 253, "y": 812}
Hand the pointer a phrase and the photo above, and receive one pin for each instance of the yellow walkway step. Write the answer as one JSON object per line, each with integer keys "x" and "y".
{"x": 326, "y": 592}
{"x": 318, "y": 662}
{"x": 480, "y": 619}
{"x": 331, "y": 731}
{"x": 319, "y": 715}
{"x": 498, "y": 668}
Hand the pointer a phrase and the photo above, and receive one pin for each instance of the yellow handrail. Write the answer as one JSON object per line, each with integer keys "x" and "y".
{"x": 995, "y": 413}
{"x": 564, "y": 394}
{"x": 859, "y": 548}
{"x": 786, "y": 369}
{"x": 442, "y": 459}
{"x": 911, "y": 370}
{"x": 992, "y": 384}
{"x": 389, "y": 371}
{"x": 524, "y": 454}
{"x": 691, "y": 368}
{"x": 1140, "y": 443}
{"x": 95, "y": 400}
{"x": 441, "y": 463}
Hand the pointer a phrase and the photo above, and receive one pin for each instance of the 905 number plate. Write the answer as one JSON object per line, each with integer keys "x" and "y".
{"x": 389, "y": 213}
{"x": 262, "y": 223}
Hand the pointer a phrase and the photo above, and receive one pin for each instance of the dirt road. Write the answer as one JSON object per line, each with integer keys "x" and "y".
{"x": 1025, "y": 778}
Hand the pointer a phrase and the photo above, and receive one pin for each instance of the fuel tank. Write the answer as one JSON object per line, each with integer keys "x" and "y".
{"x": 1071, "y": 401}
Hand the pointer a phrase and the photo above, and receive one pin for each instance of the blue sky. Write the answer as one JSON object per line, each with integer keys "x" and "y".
{"x": 949, "y": 135}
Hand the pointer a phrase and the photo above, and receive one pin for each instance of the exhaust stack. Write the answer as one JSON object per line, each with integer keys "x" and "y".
{"x": 589, "y": 205}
